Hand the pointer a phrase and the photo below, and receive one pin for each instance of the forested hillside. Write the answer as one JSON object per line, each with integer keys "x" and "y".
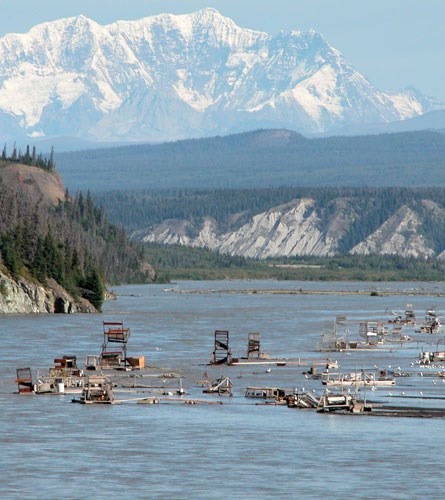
{"x": 70, "y": 242}
{"x": 319, "y": 221}
{"x": 262, "y": 158}
{"x": 232, "y": 207}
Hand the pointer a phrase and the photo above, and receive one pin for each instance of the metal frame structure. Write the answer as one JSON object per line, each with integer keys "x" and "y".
{"x": 97, "y": 390}
{"x": 114, "y": 347}
{"x": 253, "y": 346}
{"x": 222, "y": 352}
{"x": 24, "y": 380}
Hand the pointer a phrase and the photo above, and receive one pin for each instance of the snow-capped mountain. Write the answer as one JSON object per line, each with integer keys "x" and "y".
{"x": 174, "y": 76}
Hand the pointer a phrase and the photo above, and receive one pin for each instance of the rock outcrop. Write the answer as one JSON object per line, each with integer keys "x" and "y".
{"x": 307, "y": 227}
{"x": 295, "y": 228}
{"x": 399, "y": 235}
{"x": 36, "y": 184}
{"x": 22, "y": 296}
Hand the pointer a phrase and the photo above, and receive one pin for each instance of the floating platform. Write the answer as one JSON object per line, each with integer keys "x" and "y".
{"x": 399, "y": 411}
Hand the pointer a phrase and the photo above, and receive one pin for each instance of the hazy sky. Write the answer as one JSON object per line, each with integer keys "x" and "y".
{"x": 394, "y": 43}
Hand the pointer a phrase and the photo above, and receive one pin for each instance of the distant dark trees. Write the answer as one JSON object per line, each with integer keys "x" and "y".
{"x": 179, "y": 262}
{"x": 261, "y": 159}
{"x": 233, "y": 207}
{"x": 29, "y": 157}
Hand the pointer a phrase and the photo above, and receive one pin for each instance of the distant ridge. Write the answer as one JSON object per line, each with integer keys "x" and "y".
{"x": 433, "y": 120}
{"x": 262, "y": 158}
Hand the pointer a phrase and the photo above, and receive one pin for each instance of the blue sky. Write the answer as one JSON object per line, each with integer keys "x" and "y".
{"x": 394, "y": 43}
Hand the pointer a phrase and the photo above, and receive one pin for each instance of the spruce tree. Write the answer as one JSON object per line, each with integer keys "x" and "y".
{"x": 95, "y": 288}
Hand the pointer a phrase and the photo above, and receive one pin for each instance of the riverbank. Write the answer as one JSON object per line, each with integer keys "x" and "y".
{"x": 301, "y": 291}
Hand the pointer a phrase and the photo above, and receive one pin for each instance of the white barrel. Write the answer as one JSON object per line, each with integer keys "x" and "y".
{"x": 60, "y": 387}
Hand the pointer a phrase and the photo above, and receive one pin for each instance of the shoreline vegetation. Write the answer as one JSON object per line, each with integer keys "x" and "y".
{"x": 301, "y": 291}
{"x": 176, "y": 262}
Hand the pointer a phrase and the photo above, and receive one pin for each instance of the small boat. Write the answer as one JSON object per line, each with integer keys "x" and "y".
{"x": 334, "y": 402}
{"x": 426, "y": 358}
{"x": 409, "y": 317}
{"x": 431, "y": 323}
{"x": 63, "y": 378}
{"x": 373, "y": 332}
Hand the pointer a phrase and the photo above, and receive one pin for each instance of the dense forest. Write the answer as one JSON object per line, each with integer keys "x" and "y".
{"x": 263, "y": 158}
{"x": 175, "y": 262}
{"x": 232, "y": 208}
{"x": 72, "y": 243}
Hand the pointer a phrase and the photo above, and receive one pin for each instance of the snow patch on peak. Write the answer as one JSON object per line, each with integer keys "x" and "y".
{"x": 36, "y": 92}
{"x": 317, "y": 95}
{"x": 410, "y": 102}
{"x": 406, "y": 105}
{"x": 209, "y": 15}
{"x": 141, "y": 72}
{"x": 80, "y": 24}
{"x": 192, "y": 97}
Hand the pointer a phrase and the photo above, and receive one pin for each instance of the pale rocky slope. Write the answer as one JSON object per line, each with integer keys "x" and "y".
{"x": 295, "y": 228}
{"x": 398, "y": 235}
{"x": 301, "y": 227}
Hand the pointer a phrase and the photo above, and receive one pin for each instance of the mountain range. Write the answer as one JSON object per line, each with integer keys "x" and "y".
{"x": 170, "y": 77}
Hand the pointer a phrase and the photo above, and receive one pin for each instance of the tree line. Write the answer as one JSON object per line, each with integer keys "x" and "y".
{"x": 29, "y": 157}
{"x": 233, "y": 207}
{"x": 176, "y": 262}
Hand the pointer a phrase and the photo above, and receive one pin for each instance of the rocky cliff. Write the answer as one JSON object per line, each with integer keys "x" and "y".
{"x": 22, "y": 296}
{"x": 400, "y": 234}
{"x": 306, "y": 226}
{"x": 299, "y": 227}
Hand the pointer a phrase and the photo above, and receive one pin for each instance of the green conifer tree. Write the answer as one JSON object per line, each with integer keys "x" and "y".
{"x": 95, "y": 288}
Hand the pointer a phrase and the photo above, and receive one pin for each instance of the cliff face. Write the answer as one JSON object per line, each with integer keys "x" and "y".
{"x": 296, "y": 228}
{"x": 400, "y": 235}
{"x": 22, "y": 296}
{"x": 37, "y": 185}
{"x": 307, "y": 227}
{"x": 42, "y": 190}
{"x": 51, "y": 243}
